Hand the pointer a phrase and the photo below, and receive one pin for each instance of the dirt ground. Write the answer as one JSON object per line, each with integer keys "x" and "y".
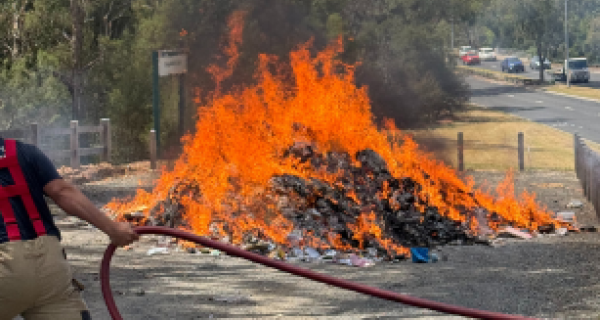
{"x": 556, "y": 277}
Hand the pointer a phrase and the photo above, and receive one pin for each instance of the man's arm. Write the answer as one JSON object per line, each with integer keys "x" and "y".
{"x": 73, "y": 202}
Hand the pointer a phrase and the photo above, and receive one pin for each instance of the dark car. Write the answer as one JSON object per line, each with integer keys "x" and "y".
{"x": 534, "y": 63}
{"x": 512, "y": 64}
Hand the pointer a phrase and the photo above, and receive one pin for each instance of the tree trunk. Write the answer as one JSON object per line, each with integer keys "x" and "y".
{"x": 77, "y": 47}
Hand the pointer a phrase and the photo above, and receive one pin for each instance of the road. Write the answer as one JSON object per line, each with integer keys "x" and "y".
{"x": 564, "y": 113}
{"x": 534, "y": 74}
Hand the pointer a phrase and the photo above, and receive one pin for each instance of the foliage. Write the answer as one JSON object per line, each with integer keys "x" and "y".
{"x": 508, "y": 21}
{"x": 47, "y": 65}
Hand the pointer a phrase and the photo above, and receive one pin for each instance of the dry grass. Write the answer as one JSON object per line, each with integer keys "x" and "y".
{"x": 491, "y": 139}
{"x": 575, "y": 90}
{"x": 492, "y": 74}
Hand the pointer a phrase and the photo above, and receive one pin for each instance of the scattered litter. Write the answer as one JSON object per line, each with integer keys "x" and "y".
{"x": 330, "y": 253}
{"x": 515, "y": 233}
{"x": 548, "y": 229}
{"x": 297, "y": 252}
{"x": 483, "y": 229}
{"x": 215, "y": 252}
{"x": 163, "y": 241}
{"x": 294, "y": 238}
{"x": 419, "y": 255}
{"x": 497, "y": 243}
{"x": 259, "y": 247}
{"x": 574, "y": 204}
{"x": 588, "y": 229}
{"x": 314, "y": 213}
{"x": 140, "y": 292}
{"x": 361, "y": 262}
{"x": 566, "y": 216}
{"x": 562, "y": 231}
{"x": 312, "y": 253}
{"x": 372, "y": 252}
{"x": 161, "y": 250}
{"x": 277, "y": 254}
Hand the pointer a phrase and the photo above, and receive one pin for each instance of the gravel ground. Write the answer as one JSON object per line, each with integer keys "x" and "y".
{"x": 544, "y": 277}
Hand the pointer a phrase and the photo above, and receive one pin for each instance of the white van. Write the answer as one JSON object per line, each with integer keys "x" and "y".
{"x": 487, "y": 54}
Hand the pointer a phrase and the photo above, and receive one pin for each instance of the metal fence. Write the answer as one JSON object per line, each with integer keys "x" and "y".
{"x": 46, "y": 139}
{"x": 587, "y": 168}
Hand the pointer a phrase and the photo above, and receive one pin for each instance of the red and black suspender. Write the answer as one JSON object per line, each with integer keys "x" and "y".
{"x": 19, "y": 189}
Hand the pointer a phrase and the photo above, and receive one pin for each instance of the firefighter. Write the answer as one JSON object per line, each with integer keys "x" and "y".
{"x": 36, "y": 281}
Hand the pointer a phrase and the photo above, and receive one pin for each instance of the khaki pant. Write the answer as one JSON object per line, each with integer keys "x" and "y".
{"x": 36, "y": 282}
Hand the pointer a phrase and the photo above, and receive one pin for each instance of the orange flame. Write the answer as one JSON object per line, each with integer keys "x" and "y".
{"x": 231, "y": 50}
{"x": 222, "y": 178}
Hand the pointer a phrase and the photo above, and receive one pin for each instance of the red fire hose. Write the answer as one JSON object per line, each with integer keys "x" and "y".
{"x": 234, "y": 251}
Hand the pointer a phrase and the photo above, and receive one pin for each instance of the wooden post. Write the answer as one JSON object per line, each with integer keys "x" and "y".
{"x": 75, "y": 144}
{"x": 595, "y": 177}
{"x": 521, "y": 138}
{"x": 590, "y": 176}
{"x": 153, "y": 149}
{"x": 576, "y": 153}
{"x": 593, "y": 185}
{"x": 580, "y": 159}
{"x": 106, "y": 139}
{"x": 35, "y": 134}
{"x": 587, "y": 171}
{"x": 583, "y": 161}
{"x": 461, "y": 164}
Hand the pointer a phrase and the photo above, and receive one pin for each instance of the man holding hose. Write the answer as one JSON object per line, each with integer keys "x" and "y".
{"x": 35, "y": 278}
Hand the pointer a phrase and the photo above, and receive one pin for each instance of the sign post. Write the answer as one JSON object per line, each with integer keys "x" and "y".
{"x": 165, "y": 63}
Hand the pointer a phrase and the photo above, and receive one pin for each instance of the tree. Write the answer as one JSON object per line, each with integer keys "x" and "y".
{"x": 593, "y": 38}
{"x": 536, "y": 20}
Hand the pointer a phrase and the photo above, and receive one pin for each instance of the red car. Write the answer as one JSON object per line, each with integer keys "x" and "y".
{"x": 471, "y": 58}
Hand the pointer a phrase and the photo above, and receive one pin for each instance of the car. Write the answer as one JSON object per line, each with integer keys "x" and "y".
{"x": 464, "y": 50}
{"x": 578, "y": 69}
{"x": 471, "y": 58}
{"x": 487, "y": 54}
{"x": 512, "y": 64}
{"x": 534, "y": 63}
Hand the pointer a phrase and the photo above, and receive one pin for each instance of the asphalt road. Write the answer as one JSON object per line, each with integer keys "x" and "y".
{"x": 534, "y": 74}
{"x": 565, "y": 113}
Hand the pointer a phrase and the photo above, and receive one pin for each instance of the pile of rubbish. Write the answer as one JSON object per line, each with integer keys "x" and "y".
{"x": 318, "y": 209}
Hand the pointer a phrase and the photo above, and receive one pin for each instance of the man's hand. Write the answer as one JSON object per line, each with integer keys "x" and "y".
{"x": 121, "y": 234}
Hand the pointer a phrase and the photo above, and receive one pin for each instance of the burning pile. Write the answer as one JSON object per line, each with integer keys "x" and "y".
{"x": 276, "y": 159}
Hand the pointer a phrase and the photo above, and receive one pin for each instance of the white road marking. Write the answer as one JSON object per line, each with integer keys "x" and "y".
{"x": 569, "y": 108}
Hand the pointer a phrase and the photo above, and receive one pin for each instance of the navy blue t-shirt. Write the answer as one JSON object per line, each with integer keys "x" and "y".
{"x": 38, "y": 171}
